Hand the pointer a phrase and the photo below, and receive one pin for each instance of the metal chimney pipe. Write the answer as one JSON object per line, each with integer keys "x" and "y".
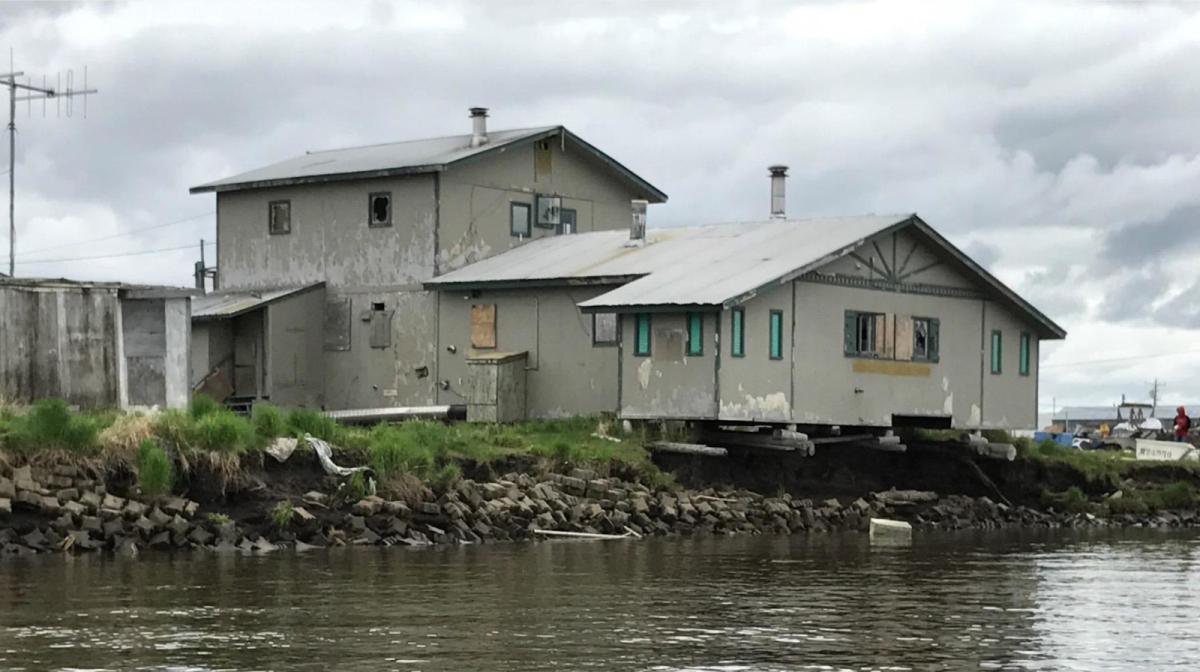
{"x": 778, "y": 200}
{"x": 479, "y": 126}
{"x": 637, "y": 225}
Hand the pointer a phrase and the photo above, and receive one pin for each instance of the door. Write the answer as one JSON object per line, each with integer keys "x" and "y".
{"x": 566, "y": 221}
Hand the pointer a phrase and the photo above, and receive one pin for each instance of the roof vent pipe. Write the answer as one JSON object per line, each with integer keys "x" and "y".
{"x": 637, "y": 225}
{"x": 478, "y": 126}
{"x": 778, "y": 201}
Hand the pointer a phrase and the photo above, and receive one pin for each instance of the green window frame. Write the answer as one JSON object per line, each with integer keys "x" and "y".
{"x": 926, "y": 339}
{"x": 775, "y": 344}
{"x": 997, "y": 352}
{"x": 641, "y": 335}
{"x": 737, "y": 332}
{"x": 859, "y": 334}
{"x": 1023, "y": 356}
{"x": 695, "y": 331}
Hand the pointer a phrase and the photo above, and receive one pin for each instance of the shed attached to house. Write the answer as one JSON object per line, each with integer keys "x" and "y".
{"x": 865, "y": 321}
{"x": 94, "y": 344}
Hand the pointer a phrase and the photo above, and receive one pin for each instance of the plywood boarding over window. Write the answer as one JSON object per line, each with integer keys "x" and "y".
{"x": 483, "y": 325}
{"x": 904, "y": 337}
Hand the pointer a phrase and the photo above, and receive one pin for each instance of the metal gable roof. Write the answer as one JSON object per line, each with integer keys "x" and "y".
{"x": 714, "y": 265}
{"x": 225, "y": 305}
{"x": 405, "y": 158}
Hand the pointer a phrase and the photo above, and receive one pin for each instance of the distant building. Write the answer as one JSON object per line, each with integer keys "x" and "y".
{"x": 94, "y": 344}
{"x": 321, "y": 258}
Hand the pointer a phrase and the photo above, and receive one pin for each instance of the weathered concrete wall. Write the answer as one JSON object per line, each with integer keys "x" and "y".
{"x": 669, "y": 383}
{"x": 59, "y": 342}
{"x": 1009, "y": 399}
{"x": 294, "y": 348}
{"x": 755, "y": 387}
{"x": 475, "y": 196}
{"x": 568, "y": 375}
{"x": 177, "y": 315}
{"x": 145, "y": 332}
{"x": 830, "y": 391}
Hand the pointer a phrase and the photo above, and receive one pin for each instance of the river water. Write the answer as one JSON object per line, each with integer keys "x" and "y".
{"x": 987, "y": 601}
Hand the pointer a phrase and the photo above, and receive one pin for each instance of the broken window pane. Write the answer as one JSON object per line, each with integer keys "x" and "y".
{"x": 866, "y": 334}
{"x": 279, "y": 217}
{"x": 604, "y": 328}
{"x": 381, "y": 209}
{"x": 920, "y": 339}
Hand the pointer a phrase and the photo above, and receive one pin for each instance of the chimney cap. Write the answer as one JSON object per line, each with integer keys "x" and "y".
{"x": 479, "y": 111}
{"x": 778, "y": 170}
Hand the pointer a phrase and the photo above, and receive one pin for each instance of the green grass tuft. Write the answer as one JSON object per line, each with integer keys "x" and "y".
{"x": 281, "y": 514}
{"x": 202, "y": 405}
{"x": 308, "y": 421}
{"x": 223, "y": 432}
{"x": 269, "y": 422}
{"x": 156, "y": 474}
{"x": 50, "y": 425}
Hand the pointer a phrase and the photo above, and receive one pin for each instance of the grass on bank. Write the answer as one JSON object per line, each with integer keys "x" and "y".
{"x": 160, "y": 447}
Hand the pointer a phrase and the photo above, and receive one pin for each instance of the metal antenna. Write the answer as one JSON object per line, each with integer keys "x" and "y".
{"x": 34, "y": 93}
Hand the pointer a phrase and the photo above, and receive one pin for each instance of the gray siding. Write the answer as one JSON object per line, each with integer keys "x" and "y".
{"x": 60, "y": 342}
{"x": 294, "y": 337}
{"x": 669, "y": 383}
{"x": 756, "y": 387}
{"x": 567, "y": 374}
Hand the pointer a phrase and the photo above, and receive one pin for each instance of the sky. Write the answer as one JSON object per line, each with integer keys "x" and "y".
{"x": 1056, "y": 142}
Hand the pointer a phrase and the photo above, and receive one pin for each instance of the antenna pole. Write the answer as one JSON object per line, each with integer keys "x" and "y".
{"x": 12, "y": 177}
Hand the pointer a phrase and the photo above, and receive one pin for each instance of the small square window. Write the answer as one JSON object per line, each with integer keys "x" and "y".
{"x": 279, "y": 217}
{"x": 604, "y": 328}
{"x": 519, "y": 215}
{"x": 380, "y": 209}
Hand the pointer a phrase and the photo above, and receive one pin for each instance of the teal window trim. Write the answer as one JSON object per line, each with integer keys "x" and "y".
{"x": 695, "y": 341}
{"x": 775, "y": 335}
{"x": 997, "y": 352}
{"x": 1023, "y": 361}
{"x": 641, "y": 335}
{"x": 932, "y": 338}
{"x": 737, "y": 332}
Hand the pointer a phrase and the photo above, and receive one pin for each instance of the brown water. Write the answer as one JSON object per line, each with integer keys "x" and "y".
{"x": 1067, "y": 601}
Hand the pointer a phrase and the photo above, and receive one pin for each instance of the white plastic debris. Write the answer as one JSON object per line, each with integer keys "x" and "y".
{"x": 282, "y": 448}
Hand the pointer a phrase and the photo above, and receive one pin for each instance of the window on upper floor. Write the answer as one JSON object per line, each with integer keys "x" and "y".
{"x": 379, "y": 205}
{"x": 519, "y": 214}
{"x": 604, "y": 328}
{"x": 279, "y": 217}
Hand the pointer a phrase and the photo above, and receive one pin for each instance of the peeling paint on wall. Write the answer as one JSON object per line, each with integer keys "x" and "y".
{"x": 643, "y": 373}
{"x": 773, "y": 407}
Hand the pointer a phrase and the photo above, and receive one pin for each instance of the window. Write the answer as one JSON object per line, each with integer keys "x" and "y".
{"x": 566, "y": 221}
{"x": 604, "y": 328}
{"x": 997, "y": 355}
{"x": 695, "y": 331}
{"x": 775, "y": 347}
{"x": 925, "y": 339}
{"x": 379, "y": 206}
{"x": 737, "y": 332}
{"x": 483, "y": 325}
{"x": 519, "y": 214}
{"x": 1023, "y": 356}
{"x": 641, "y": 346}
{"x": 279, "y": 217}
{"x": 860, "y": 334}
{"x": 381, "y": 326}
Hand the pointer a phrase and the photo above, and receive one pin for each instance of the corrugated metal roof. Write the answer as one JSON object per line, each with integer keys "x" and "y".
{"x": 403, "y": 158}
{"x": 224, "y": 305}
{"x": 698, "y": 265}
{"x": 713, "y": 265}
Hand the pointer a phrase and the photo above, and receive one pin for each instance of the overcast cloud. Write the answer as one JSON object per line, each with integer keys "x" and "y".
{"x": 1055, "y": 141}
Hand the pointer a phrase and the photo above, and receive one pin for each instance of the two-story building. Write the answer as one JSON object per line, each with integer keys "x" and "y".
{"x": 321, "y": 258}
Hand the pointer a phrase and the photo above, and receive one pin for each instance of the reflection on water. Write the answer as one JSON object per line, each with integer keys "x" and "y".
{"x": 1054, "y": 601}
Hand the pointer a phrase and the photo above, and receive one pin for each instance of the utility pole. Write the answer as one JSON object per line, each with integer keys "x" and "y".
{"x": 34, "y": 93}
{"x": 1154, "y": 398}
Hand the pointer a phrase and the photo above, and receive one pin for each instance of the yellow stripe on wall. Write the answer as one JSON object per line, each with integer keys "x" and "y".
{"x": 892, "y": 368}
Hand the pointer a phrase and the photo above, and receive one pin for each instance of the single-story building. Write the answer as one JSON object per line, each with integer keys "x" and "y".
{"x": 874, "y": 321}
{"x": 260, "y": 345}
{"x": 94, "y": 344}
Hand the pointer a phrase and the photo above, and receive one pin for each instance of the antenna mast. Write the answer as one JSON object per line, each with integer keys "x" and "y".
{"x": 43, "y": 92}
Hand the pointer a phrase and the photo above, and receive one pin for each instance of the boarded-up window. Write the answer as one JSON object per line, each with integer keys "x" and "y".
{"x": 543, "y": 156}
{"x": 604, "y": 328}
{"x": 483, "y": 325}
{"x": 337, "y": 325}
{"x": 279, "y": 217}
{"x": 381, "y": 326}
